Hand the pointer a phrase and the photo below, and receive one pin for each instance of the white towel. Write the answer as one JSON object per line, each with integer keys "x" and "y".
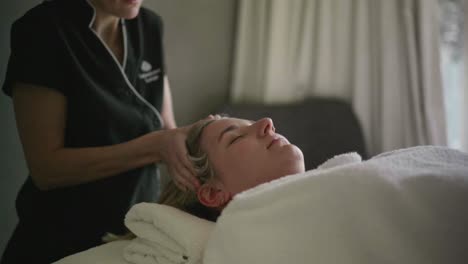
{"x": 342, "y": 159}
{"x": 407, "y": 206}
{"x": 165, "y": 235}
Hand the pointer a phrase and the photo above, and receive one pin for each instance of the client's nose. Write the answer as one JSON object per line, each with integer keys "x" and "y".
{"x": 265, "y": 126}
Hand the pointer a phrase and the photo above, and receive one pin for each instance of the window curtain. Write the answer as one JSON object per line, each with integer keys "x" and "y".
{"x": 382, "y": 56}
{"x": 454, "y": 29}
{"x": 464, "y": 117}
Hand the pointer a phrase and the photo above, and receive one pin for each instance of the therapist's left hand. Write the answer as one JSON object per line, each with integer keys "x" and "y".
{"x": 174, "y": 154}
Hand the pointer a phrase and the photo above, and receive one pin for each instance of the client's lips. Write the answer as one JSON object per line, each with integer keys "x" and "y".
{"x": 275, "y": 139}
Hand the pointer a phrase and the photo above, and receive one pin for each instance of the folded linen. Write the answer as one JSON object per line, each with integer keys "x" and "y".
{"x": 165, "y": 235}
{"x": 406, "y": 206}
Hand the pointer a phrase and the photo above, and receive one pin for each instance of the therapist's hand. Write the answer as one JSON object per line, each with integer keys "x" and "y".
{"x": 174, "y": 154}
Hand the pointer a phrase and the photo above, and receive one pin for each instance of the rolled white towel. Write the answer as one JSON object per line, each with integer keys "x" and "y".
{"x": 142, "y": 251}
{"x": 165, "y": 235}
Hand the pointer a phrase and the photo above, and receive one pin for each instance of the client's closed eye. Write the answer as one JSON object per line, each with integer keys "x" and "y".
{"x": 235, "y": 139}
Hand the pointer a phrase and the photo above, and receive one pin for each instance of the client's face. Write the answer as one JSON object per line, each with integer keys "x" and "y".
{"x": 245, "y": 154}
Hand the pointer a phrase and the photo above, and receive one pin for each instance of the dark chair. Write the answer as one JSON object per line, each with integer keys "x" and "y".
{"x": 320, "y": 127}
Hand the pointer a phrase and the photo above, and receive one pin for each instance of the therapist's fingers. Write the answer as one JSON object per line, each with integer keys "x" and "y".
{"x": 175, "y": 179}
{"x": 187, "y": 169}
{"x": 179, "y": 158}
{"x": 182, "y": 180}
{"x": 182, "y": 176}
{"x": 188, "y": 174}
{"x": 179, "y": 185}
{"x": 186, "y": 165}
{"x": 182, "y": 169}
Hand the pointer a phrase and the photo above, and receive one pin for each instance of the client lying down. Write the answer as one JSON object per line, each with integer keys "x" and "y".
{"x": 405, "y": 206}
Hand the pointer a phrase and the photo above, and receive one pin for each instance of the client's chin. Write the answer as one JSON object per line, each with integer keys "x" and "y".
{"x": 294, "y": 162}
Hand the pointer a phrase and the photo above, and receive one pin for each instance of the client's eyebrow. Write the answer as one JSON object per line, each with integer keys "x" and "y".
{"x": 227, "y": 129}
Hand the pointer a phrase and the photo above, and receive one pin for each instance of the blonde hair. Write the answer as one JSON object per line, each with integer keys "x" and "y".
{"x": 171, "y": 194}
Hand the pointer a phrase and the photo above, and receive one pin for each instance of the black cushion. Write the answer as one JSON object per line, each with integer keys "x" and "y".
{"x": 320, "y": 127}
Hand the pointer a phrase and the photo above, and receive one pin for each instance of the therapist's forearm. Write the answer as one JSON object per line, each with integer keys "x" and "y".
{"x": 167, "y": 109}
{"x": 73, "y": 166}
{"x": 41, "y": 116}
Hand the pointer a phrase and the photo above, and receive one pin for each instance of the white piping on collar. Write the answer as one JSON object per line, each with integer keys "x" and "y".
{"x": 122, "y": 27}
{"x": 124, "y": 32}
{"x": 122, "y": 71}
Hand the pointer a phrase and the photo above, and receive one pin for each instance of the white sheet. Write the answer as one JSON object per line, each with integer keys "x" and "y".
{"x": 407, "y": 206}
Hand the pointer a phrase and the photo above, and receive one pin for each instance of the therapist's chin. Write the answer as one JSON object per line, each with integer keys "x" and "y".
{"x": 130, "y": 13}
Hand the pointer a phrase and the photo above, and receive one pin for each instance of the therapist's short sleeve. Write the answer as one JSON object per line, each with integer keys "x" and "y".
{"x": 37, "y": 55}
{"x": 158, "y": 25}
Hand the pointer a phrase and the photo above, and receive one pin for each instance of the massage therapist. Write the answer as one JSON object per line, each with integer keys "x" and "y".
{"x": 94, "y": 114}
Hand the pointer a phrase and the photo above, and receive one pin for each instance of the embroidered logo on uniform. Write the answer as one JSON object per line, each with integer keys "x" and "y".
{"x": 148, "y": 74}
{"x": 146, "y": 66}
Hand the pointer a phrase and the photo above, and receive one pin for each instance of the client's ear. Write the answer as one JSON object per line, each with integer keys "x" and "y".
{"x": 213, "y": 195}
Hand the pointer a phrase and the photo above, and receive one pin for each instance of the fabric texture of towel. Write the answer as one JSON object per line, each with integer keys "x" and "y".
{"x": 165, "y": 235}
{"x": 341, "y": 159}
{"x": 405, "y": 206}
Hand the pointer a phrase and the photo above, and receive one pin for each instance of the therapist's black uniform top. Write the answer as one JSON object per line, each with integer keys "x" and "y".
{"x": 108, "y": 103}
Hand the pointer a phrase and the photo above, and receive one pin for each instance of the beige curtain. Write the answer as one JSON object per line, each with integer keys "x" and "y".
{"x": 380, "y": 55}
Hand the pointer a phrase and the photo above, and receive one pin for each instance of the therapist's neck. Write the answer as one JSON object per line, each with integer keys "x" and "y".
{"x": 106, "y": 26}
